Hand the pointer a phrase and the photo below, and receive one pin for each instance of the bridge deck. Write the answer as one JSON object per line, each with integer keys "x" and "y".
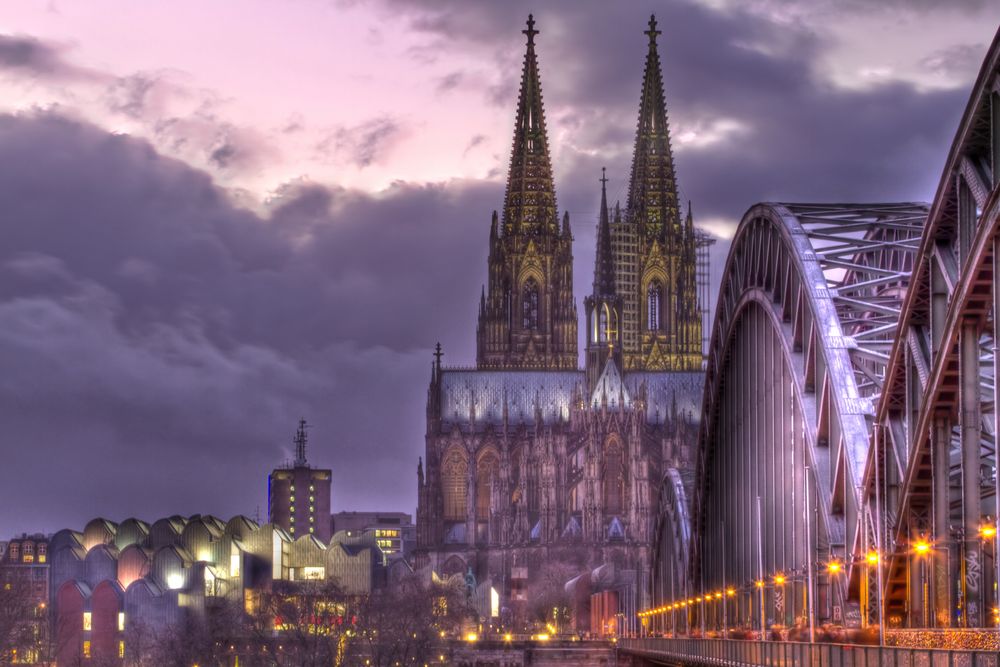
{"x": 739, "y": 653}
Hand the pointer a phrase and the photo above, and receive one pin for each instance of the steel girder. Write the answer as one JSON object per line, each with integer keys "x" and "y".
{"x": 933, "y": 447}
{"x": 806, "y": 317}
{"x": 671, "y": 550}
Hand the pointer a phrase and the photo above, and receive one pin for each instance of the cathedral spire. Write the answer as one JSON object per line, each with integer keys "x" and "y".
{"x": 652, "y": 195}
{"x": 604, "y": 269}
{"x": 530, "y": 201}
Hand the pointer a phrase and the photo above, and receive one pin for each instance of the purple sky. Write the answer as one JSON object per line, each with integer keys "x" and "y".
{"x": 216, "y": 221}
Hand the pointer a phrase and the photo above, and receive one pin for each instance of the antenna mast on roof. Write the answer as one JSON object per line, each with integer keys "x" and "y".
{"x": 300, "y": 444}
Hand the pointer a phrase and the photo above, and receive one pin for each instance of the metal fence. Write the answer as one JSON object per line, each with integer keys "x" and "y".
{"x": 793, "y": 654}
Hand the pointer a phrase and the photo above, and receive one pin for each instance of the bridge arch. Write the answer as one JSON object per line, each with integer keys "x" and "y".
{"x": 930, "y": 484}
{"x": 807, "y": 309}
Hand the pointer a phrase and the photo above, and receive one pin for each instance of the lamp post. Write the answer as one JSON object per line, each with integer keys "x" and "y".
{"x": 988, "y": 533}
{"x": 760, "y": 571}
{"x": 922, "y": 548}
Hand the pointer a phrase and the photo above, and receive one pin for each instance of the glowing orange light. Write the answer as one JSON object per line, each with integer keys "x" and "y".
{"x": 760, "y": 584}
{"x": 833, "y": 567}
{"x": 872, "y": 558}
{"x": 779, "y": 579}
{"x": 731, "y": 592}
{"x": 921, "y": 547}
{"x": 988, "y": 531}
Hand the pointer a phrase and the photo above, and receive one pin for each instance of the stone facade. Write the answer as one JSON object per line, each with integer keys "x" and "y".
{"x": 535, "y": 468}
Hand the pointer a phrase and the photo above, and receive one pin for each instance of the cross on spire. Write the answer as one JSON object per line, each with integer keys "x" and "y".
{"x": 438, "y": 354}
{"x": 531, "y": 32}
{"x": 604, "y": 177}
{"x": 653, "y": 32}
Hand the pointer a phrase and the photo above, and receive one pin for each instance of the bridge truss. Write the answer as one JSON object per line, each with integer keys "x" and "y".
{"x": 847, "y": 468}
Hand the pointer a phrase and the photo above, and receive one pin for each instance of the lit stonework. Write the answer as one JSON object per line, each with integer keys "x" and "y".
{"x": 531, "y": 463}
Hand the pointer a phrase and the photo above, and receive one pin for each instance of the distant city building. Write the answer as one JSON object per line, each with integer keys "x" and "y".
{"x": 530, "y": 460}
{"x": 116, "y": 581}
{"x": 393, "y": 532}
{"x": 298, "y": 496}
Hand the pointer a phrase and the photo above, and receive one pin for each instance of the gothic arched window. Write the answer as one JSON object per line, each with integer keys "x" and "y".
{"x": 614, "y": 478}
{"x": 529, "y": 305}
{"x": 654, "y": 305}
{"x": 455, "y": 485}
{"x": 603, "y": 326}
{"x": 486, "y": 470}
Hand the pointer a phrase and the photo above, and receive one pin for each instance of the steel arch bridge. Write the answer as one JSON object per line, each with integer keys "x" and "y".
{"x": 847, "y": 438}
{"x": 930, "y": 483}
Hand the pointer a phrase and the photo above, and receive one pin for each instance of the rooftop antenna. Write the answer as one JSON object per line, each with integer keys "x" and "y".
{"x": 300, "y": 444}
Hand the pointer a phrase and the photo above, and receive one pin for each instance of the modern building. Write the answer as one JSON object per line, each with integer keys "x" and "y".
{"x": 531, "y": 460}
{"x": 115, "y": 586}
{"x": 298, "y": 495}
{"x": 393, "y": 532}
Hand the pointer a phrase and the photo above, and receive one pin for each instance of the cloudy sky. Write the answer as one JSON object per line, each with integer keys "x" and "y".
{"x": 218, "y": 217}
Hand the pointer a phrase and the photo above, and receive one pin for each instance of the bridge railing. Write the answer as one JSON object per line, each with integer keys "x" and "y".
{"x": 793, "y": 654}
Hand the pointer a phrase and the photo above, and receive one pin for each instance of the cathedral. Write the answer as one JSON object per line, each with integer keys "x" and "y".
{"x": 533, "y": 464}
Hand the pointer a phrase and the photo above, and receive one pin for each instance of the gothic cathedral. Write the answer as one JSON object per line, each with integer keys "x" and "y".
{"x": 535, "y": 468}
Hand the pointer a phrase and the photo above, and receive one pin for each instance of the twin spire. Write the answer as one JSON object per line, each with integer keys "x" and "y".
{"x": 652, "y": 195}
{"x": 530, "y": 200}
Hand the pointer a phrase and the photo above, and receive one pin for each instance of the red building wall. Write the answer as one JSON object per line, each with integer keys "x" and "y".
{"x": 69, "y": 623}
{"x": 105, "y": 603}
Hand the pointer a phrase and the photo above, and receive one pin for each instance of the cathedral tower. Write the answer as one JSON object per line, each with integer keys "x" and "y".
{"x": 603, "y": 306}
{"x": 654, "y": 253}
{"x": 527, "y": 316}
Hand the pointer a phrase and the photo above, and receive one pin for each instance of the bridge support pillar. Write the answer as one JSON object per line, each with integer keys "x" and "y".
{"x": 943, "y": 564}
{"x": 972, "y": 571}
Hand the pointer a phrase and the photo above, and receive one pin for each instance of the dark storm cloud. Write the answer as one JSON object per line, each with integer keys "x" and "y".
{"x": 29, "y": 56}
{"x": 795, "y": 135}
{"x": 158, "y": 343}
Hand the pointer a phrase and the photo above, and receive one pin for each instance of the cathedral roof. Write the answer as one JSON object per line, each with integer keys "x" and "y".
{"x": 530, "y": 201}
{"x": 669, "y": 392}
{"x": 482, "y": 395}
{"x": 652, "y": 195}
{"x": 610, "y": 386}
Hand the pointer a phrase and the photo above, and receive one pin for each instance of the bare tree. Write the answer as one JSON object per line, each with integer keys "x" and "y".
{"x": 550, "y": 603}
{"x": 22, "y": 620}
{"x": 401, "y": 625}
{"x": 300, "y": 624}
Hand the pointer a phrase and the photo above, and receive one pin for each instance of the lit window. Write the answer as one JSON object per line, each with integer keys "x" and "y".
{"x": 121, "y": 622}
{"x": 234, "y": 565}
{"x": 87, "y": 621}
{"x": 86, "y": 649}
{"x": 121, "y": 649}
{"x": 28, "y": 558}
{"x": 41, "y": 558}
